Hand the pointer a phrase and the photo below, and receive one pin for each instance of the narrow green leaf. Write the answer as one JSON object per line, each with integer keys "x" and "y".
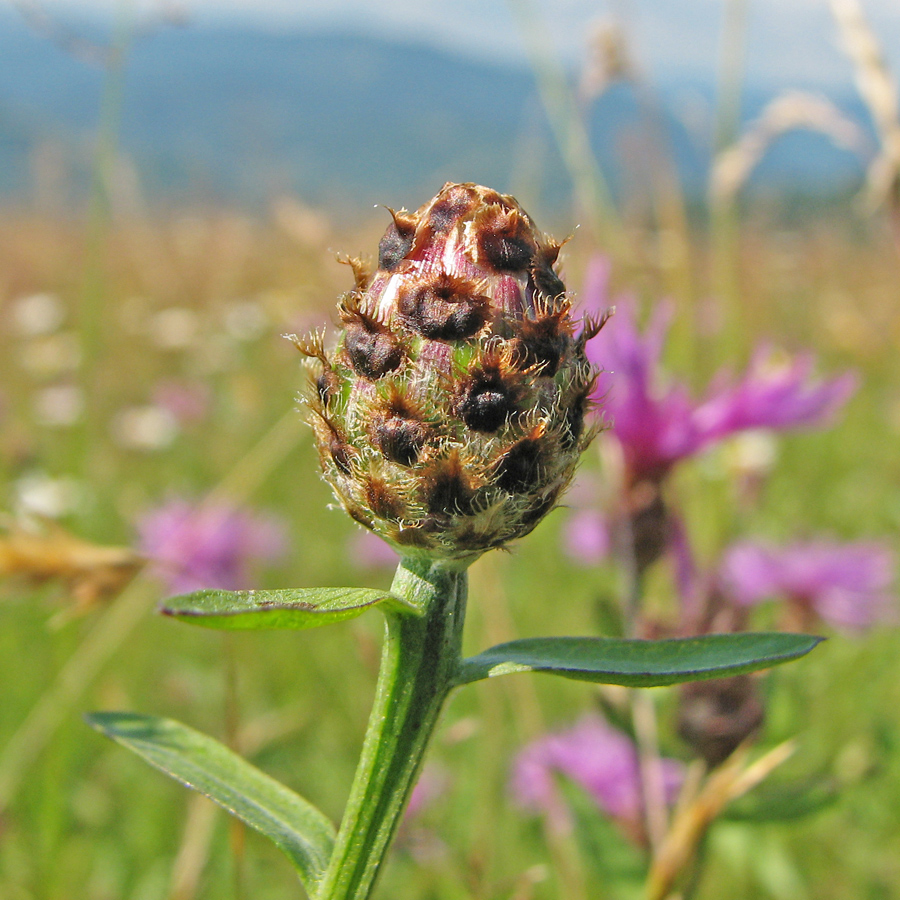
{"x": 783, "y": 803}
{"x": 291, "y": 608}
{"x": 205, "y": 765}
{"x": 638, "y": 663}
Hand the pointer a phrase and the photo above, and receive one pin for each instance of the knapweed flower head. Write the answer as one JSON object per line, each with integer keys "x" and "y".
{"x": 657, "y": 422}
{"x": 198, "y": 546}
{"x": 600, "y": 759}
{"x": 451, "y": 414}
{"x": 847, "y": 585}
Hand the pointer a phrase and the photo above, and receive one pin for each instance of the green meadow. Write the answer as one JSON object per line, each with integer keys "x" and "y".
{"x": 203, "y": 297}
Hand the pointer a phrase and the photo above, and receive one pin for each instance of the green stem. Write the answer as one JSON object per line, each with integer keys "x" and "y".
{"x": 419, "y": 662}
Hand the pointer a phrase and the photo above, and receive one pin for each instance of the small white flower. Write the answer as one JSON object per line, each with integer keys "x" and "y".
{"x": 145, "y": 428}
{"x": 38, "y": 494}
{"x": 59, "y": 406}
{"x": 37, "y": 314}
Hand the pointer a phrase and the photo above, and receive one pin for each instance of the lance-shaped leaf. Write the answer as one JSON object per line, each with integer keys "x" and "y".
{"x": 291, "y": 608}
{"x": 785, "y": 802}
{"x": 201, "y": 763}
{"x": 639, "y": 663}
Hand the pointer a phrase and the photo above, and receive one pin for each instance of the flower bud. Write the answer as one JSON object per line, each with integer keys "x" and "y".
{"x": 451, "y": 415}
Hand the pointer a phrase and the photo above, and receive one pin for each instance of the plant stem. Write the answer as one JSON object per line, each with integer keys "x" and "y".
{"x": 419, "y": 662}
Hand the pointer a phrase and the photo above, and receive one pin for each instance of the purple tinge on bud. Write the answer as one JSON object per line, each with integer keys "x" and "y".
{"x": 451, "y": 414}
{"x": 847, "y": 585}
{"x": 597, "y": 757}
{"x": 193, "y": 547}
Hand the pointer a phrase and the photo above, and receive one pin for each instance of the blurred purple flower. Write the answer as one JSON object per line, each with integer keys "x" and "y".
{"x": 657, "y": 424}
{"x": 586, "y": 537}
{"x": 186, "y": 401}
{"x": 419, "y": 841}
{"x": 208, "y": 546}
{"x": 368, "y": 551}
{"x": 432, "y": 782}
{"x": 600, "y": 759}
{"x": 774, "y": 395}
{"x": 846, "y": 585}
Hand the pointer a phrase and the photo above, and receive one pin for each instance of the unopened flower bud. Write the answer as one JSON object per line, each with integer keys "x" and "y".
{"x": 451, "y": 415}
{"x": 716, "y": 716}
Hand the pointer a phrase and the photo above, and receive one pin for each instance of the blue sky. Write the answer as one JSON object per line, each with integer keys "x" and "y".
{"x": 788, "y": 42}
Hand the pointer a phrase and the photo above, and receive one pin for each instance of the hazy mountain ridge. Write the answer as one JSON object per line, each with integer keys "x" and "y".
{"x": 239, "y": 115}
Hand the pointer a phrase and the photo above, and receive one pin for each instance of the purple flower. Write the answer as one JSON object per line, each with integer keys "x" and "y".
{"x": 658, "y": 423}
{"x": 418, "y": 840}
{"x": 186, "y": 401}
{"x": 595, "y": 756}
{"x": 846, "y": 585}
{"x": 432, "y": 782}
{"x": 774, "y": 395}
{"x": 207, "y": 546}
{"x": 368, "y": 551}
{"x": 587, "y": 533}
{"x": 586, "y": 537}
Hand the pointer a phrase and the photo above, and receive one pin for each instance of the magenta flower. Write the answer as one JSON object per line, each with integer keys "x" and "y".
{"x": 207, "y": 546}
{"x": 846, "y": 585}
{"x": 596, "y": 757}
{"x": 658, "y": 423}
{"x": 773, "y": 395}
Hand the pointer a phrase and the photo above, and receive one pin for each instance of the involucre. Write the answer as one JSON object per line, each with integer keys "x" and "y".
{"x": 451, "y": 415}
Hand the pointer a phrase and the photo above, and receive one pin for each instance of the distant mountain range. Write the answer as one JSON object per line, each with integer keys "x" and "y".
{"x": 235, "y": 115}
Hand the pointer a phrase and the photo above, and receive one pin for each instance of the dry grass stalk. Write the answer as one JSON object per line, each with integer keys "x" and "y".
{"x": 609, "y": 60}
{"x": 878, "y": 89}
{"x": 45, "y": 551}
{"x": 694, "y": 815}
{"x": 792, "y": 110}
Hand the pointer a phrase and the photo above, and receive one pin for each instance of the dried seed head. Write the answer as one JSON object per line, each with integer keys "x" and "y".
{"x": 543, "y": 342}
{"x": 451, "y": 415}
{"x": 447, "y": 488}
{"x": 504, "y": 239}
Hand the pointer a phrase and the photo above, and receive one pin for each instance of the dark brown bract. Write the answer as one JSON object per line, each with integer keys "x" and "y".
{"x": 450, "y": 417}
